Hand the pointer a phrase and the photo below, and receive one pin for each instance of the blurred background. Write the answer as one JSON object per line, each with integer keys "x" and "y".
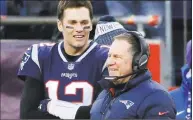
{"x": 167, "y": 26}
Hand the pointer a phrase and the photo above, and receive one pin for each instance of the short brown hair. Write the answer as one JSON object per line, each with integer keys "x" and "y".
{"x": 64, "y": 4}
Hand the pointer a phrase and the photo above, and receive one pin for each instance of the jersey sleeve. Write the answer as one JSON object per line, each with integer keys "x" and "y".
{"x": 30, "y": 64}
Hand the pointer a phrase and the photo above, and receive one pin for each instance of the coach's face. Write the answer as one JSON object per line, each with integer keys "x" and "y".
{"x": 119, "y": 61}
{"x": 76, "y": 26}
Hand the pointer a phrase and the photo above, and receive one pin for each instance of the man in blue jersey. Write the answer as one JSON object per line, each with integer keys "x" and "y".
{"x": 183, "y": 95}
{"x": 129, "y": 91}
{"x": 61, "y": 79}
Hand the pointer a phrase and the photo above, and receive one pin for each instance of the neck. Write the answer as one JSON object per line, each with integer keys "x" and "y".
{"x": 74, "y": 51}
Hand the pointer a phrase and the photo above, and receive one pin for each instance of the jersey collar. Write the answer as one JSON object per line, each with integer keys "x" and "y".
{"x": 61, "y": 47}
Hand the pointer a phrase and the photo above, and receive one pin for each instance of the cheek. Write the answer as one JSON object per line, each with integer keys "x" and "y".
{"x": 87, "y": 34}
{"x": 68, "y": 37}
{"x": 127, "y": 66}
{"x": 119, "y": 66}
{"x": 68, "y": 34}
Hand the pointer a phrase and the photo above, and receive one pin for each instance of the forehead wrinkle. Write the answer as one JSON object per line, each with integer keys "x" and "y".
{"x": 118, "y": 49}
{"x": 78, "y": 14}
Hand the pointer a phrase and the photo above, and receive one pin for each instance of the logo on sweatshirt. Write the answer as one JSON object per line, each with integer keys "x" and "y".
{"x": 24, "y": 60}
{"x": 127, "y": 103}
{"x": 163, "y": 113}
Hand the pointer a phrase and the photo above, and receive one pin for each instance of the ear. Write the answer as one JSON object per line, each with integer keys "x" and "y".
{"x": 60, "y": 25}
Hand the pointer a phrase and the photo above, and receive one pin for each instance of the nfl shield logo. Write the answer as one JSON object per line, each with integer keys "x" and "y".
{"x": 70, "y": 66}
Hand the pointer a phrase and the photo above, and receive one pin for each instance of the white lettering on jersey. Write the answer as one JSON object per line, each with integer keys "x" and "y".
{"x": 69, "y": 75}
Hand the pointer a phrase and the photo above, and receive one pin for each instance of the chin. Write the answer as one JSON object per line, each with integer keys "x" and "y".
{"x": 113, "y": 74}
{"x": 79, "y": 45}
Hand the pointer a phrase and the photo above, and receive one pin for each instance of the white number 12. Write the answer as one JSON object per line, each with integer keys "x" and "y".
{"x": 71, "y": 89}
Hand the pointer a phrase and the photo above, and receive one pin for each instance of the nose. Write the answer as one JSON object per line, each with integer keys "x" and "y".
{"x": 78, "y": 28}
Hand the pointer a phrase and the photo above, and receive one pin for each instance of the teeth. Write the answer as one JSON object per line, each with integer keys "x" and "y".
{"x": 78, "y": 36}
{"x": 112, "y": 69}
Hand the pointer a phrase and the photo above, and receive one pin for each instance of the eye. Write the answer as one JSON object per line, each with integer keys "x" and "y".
{"x": 84, "y": 22}
{"x": 117, "y": 56}
{"x": 72, "y": 22}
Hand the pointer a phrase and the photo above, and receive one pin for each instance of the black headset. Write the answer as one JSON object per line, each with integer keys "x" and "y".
{"x": 140, "y": 59}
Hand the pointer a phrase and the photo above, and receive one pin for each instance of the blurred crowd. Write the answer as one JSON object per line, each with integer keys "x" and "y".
{"x": 48, "y": 8}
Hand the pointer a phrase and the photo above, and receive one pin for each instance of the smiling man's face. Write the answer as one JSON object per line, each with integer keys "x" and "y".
{"x": 76, "y": 26}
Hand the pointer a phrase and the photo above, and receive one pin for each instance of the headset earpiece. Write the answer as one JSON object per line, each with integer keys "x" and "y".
{"x": 140, "y": 59}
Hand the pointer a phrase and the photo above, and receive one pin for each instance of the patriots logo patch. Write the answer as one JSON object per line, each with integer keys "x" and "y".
{"x": 24, "y": 60}
{"x": 127, "y": 103}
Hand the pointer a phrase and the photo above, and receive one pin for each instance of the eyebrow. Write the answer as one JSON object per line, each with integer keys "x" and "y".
{"x": 115, "y": 55}
{"x": 79, "y": 21}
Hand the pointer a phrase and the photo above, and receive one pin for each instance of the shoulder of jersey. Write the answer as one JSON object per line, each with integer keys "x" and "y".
{"x": 102, "y": 51}
{"x": 103, "y": 47}
{"x": 42, "y": 49}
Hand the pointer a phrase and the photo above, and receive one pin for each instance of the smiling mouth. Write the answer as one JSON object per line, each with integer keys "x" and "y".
{"x": 112, "y": 69}
{"x": 78, "y": 36}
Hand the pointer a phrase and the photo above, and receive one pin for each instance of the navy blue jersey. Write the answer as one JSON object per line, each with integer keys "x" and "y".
{"x": 64, "y": 80}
